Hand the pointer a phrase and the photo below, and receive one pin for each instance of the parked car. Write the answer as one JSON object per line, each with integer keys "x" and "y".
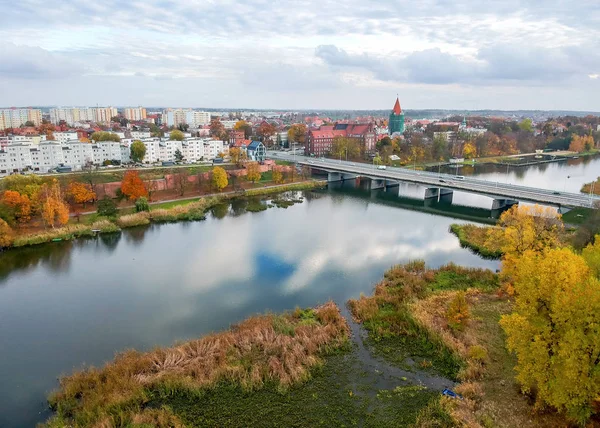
{"x": 459, "y": 177}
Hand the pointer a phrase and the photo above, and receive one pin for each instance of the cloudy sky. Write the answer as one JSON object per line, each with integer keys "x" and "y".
{"x": 319, "y": 54}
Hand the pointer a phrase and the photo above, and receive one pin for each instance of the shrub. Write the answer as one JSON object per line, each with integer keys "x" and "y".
{"x": 131, "y": 220}
{"x": 107, "y": 207}
{"x": 457, "y": 313}
{"x": 478, "y": 353}
{"x": 141, "y": 204}
{"x": 105, "y": 226}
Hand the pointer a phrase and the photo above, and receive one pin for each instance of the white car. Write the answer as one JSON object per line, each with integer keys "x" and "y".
{"x": 381, "y": 167}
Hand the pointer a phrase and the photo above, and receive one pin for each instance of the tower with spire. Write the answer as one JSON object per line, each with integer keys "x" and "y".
{"x": 396, "y": 122}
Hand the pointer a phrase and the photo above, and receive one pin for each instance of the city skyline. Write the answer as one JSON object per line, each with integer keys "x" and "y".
{"x": 514, "y": 56}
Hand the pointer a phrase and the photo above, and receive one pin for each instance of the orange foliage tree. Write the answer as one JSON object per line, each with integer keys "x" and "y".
{"x": 581, "y": 144}
{"x": 132, "y": 185}
{"x": 81, "y": 193}
{"x": 19, "y": 204}
{"x": 54, "y": 209}
{"x": 7, "y": 235}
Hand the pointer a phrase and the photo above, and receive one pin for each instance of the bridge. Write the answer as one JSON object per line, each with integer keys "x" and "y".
{"x": 440, "y": 186}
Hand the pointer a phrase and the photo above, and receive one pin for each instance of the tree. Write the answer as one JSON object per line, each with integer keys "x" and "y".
{"x": 141, "y": 204}
{"x": 29, "y": 123}
{"x": 216, "y": 128}
{"x": 306, "y": 171}
{"x": 277, "y": 175}
{"x": 266, "y": 131}
{"x": 107, "y": 207}
{"x": 458, "y": 313}
{"x": 132, "y": 185}
{"x": 152, "y": 187}
{"x": 19, "y": 205}
{"x": 377, "y": 160}
{"x": 181, "y": 180}
{"x": 178, "y": 155}
{"x": 469, "y": 151}
{"x": 526, "y": 125}
{"x": 219, "y": 178}
{"x": 235, "y": 154}
{"x": 54, "y": 209}
{"x": 176, "y": 135}
{"x": 7, "y": 235}
{"x": 105, "y": 136}
{"x": 554, "y": 331}
{"x": 242, "y": 125}
{"x": 253, "y": 170}
{"x": 137, "y": 151}
{"x": 297, "y": 133}
{"x": 581, "y": 144}
{"x": 591, "y": 254}
{"x": 80, "y": 193}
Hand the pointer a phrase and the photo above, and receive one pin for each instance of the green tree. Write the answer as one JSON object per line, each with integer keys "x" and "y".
{"x": 176, "y": 135}
{"x": 178, "y": 155}
{"x": 526, "y": 125}
{"x": 439, "y": 148}
{"x": 105, "y": 136}
{"x": 141, "y": 204}
{"x": 554, "y": 331}
{"x": 137, "y": 151}
{"x": 219, "y": 178}
{"x": 107, "y": 207}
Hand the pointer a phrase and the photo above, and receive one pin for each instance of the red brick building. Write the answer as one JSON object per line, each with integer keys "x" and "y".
{"x": 320, "y": 141}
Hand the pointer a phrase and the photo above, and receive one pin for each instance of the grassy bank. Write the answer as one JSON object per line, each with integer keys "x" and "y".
{"x": 592, "y": 187}
{"x": 184, "y": 210}
{"x": 274, "y": 352}
{"x": 577, "y": 216}
{"x": 477, "y": 239}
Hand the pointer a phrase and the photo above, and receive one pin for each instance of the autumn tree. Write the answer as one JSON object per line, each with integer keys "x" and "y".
{"x": 217, "y": 129}
{"x": 277, "y": 175}
{"x": 554, "y": 331}
{"x": 242, "y": 125}
{"x": 581, "y": 143}
{"x": 297, "y": 133}
{"x": 105, "y": 136}
{"x": 55, "y": 212}
{"x": 7, "y": 235}
{"x": 235, "y": 154}
{"x": 176, "y": 135}
{"x": 469, "y": 151}
{"x": 152, "y": 187}
{"x": 19, "y": 205}
{"x": 253, "y": 172}
{"x": 219, "y": 178}
{"x": 457, "y": 313}
{"x": 439, "y": 148}
{"x": 137, "y": 151}
{"x": 132, "y": 185}
{"x": 266, "y": 131}
{"x": 306, "y": 172}
{"x": 180, "y": 178}
{"x": 80, "y": 193}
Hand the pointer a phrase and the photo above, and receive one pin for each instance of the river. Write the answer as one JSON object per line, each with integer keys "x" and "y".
{"x": 69, "y": 304}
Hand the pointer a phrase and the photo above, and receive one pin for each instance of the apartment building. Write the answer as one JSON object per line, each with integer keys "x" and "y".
{"x": 73, "y": 115}
{"x": 134, "y": 113}
{"x": 174, "y": 117}
{"x": 77, "y": 154}
{"x": 63, "y": 137}
{"x": 138, "y": 135}
{"x": 15, "y": 117}
{"x": 197, "y": 119}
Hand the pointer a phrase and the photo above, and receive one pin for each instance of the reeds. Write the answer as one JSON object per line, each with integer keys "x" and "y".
{"x": 105, "y": 226}
{"x": 67, "y": 232}
{"x": 306, "y": 185}
{"x": 132, "y": 220}
{"x": 250, "y": 354}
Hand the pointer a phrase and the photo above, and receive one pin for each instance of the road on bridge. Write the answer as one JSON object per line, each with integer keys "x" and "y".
{"x": 446, "y": 181}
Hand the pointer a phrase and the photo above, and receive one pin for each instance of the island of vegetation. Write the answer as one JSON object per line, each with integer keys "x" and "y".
{"x": 518, "y": 348}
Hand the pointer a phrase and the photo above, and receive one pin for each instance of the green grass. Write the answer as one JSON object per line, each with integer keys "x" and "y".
{"x": 454, "y": 277}
{"x": 340, "y": 393}
{"x": 577, "y": 215}
{"x": 171, "y": 204}
{"x": 476, "y": 239}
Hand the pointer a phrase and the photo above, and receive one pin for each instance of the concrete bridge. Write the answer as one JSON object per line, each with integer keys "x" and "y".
{"x": 441, "y": 186}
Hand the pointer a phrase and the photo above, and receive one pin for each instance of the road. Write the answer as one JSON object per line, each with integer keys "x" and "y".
{"x": 446, "y": 181}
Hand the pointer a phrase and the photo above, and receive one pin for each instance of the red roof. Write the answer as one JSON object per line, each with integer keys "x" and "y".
{"x": 327, "y": 133}
{"x": 240, "y": 143}
{"x": 397, "y": 110}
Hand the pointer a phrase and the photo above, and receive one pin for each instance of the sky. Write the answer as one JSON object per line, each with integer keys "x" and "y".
{"x": 302, "y": 54}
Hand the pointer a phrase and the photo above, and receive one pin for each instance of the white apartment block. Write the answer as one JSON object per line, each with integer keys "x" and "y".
{"x": 138, "y": 135}
{"x": 77, "y": 154}
{"x": 63, "y": 137}
{"x": 197, "y": 118}
{"x": 134, "y": 113}
{"x": 73, "y": 115}
{"x": 15, "y": 117}
{"x": 229, "y": 124}
{"x": 106, "y": 151}
{"x": 174, "y": 117}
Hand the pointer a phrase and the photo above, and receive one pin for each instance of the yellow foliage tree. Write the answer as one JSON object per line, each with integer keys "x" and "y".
{"x": 581, "y": 143}
{"x": 591, "y": 254}
{"x": 219, "y": 178}
{"x": 7, "y": 235}
{"x": 54, "y": 209}
{"x": 469, "y": 151}
{"x": 458, "y": 313}
{"x": 19, "y": 204}
{"x": 253, "y": 172}
{"x": 81, "y": 193}
{"x": 277, "y": 175}
{"x": 555, "y": 330}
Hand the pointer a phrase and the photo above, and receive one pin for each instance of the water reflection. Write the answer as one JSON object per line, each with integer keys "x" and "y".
{"x": 66, "y": 304}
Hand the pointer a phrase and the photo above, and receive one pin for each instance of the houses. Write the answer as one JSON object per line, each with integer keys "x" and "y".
{"x": 256, "y": 151}
{"x": 320, "y": 141}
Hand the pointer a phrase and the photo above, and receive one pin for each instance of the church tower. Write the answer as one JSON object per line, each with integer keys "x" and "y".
{"x": 396, "y": 122}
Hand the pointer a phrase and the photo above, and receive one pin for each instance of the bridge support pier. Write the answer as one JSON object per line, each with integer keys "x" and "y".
{"x": 437, "y": 194}
{"x": 391, "y": 183}
{"x": 334, "y": 176}
{"x": 349, "y": 176}
{"x": 503, "y": 204}
{"x": 377, "y": 184}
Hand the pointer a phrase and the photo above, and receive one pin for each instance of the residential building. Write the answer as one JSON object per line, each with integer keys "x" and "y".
{"x": 281, "y": 138}
{"x": 134, "y": 113}
{"x": 197, "y": 119}
{"x": 73, "y": 115}
{"x": 63, "y": 137}
{"x": 15, "y": 117}
{"x": 235, "y": 137}
{"x": 174, "y": 117}
{"x": 320, "y": 141}
{"x": 77, "y": 154}
{"x": 46, "y": 156}
{"x": 256, "y": 151}
{"x": 138, "y": 135}
{"x": 396, "y": 121}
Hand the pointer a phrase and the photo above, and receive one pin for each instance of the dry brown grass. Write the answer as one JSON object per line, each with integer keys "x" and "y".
{"x": 131, "y": 220}
{"x": 249, "y": 354}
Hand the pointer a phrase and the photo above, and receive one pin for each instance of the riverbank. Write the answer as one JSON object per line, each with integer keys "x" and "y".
{"x": 185, "y": 209}
{"x": 477, "y": 239}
